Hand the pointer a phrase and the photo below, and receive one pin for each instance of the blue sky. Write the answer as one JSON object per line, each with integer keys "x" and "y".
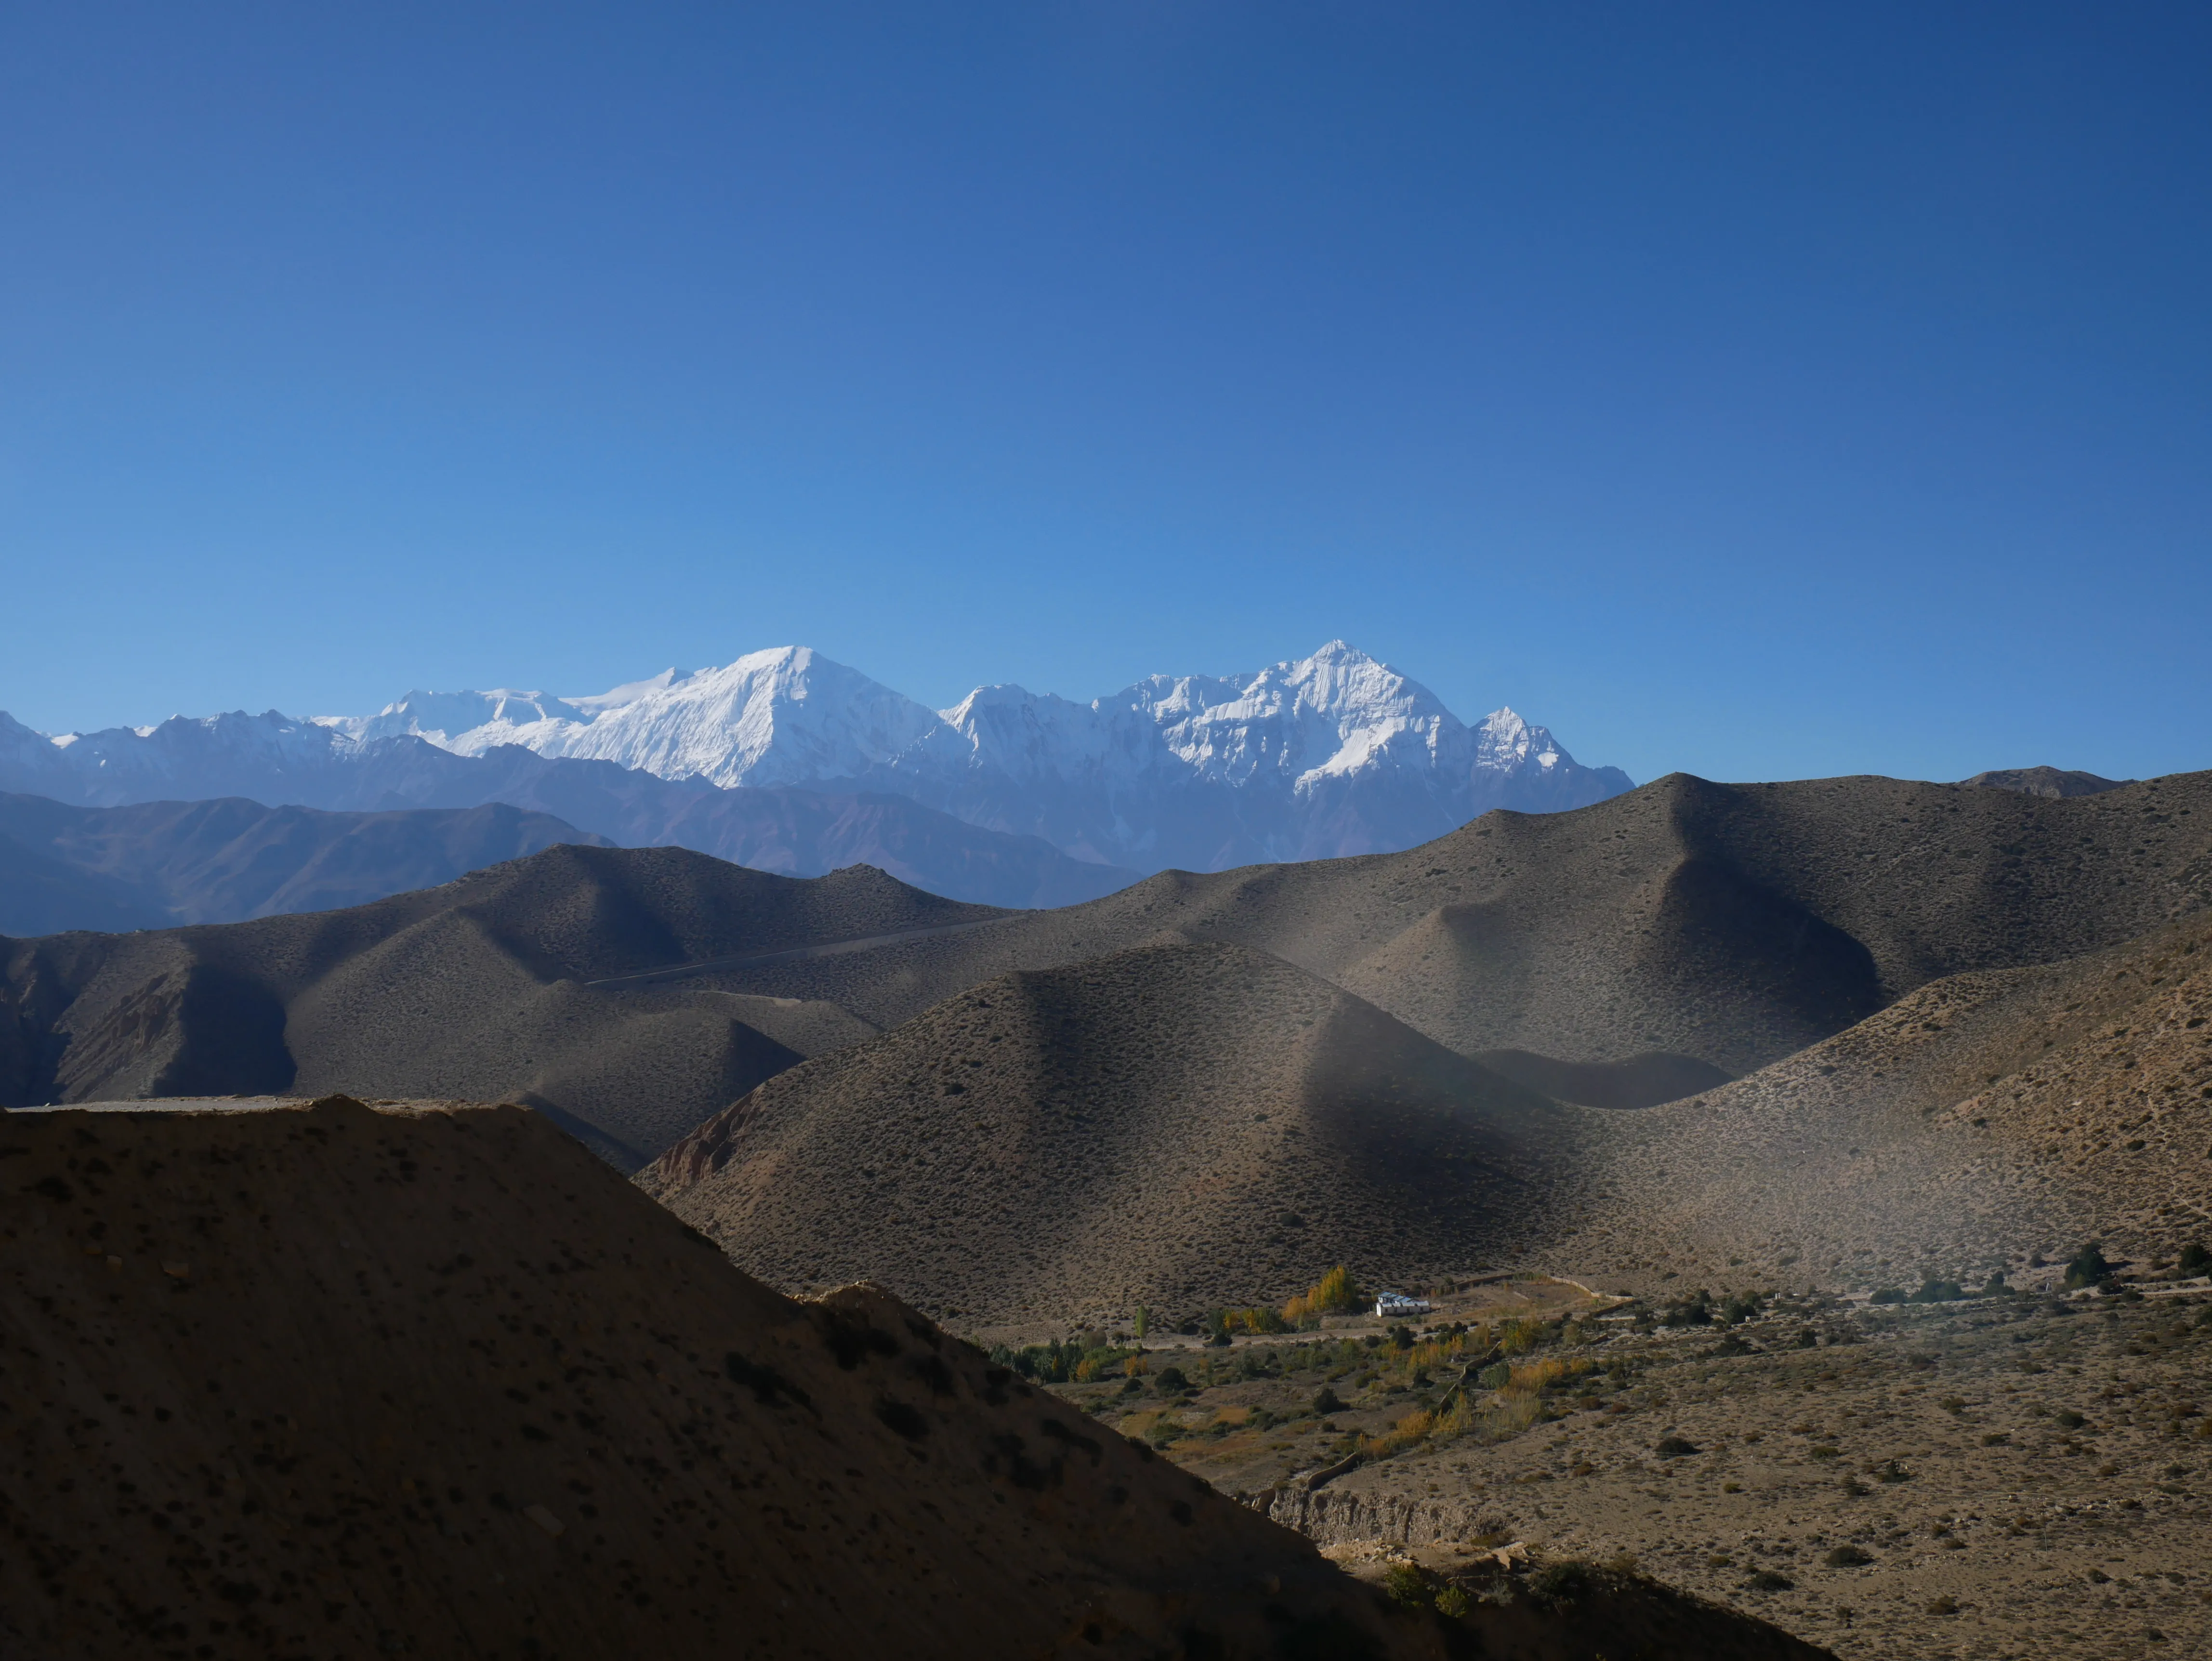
{"x": 1764, "y": 391}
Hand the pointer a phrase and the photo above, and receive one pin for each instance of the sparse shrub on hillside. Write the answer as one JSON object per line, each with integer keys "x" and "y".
{"x": 1406, "y": 1586}
{"x": 1412, "y": 1429}
{"x": 1694, "y": 1311}
{"x": 1561, "y": 1586}
{"x": 2194, "y": 1260}
{"x": 1326, "y": 1401}
{"x": 1741, "y": 1307}
{"x": 1847, "y": 1557}
{"x": 1059, "y": 1363}
{"x": 2087, "y": 1268}
{"x": 1933, "y": 1291}
{"x": 1257, "y": 1363}
{"x": 1170, "y": 1381}
{"x": 1521, "y": 1390}
{"x": 1520, "y": 1335}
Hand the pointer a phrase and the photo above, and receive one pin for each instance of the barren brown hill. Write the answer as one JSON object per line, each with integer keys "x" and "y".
{"x": 2054, "y": 781}
{"x": 336, "y": 1383}
{"x": 1727, "y": 924}
{"x": 1978, "y": 1122}
{"x": 1179, "y": 1125}
{"x": 479, "y": 990}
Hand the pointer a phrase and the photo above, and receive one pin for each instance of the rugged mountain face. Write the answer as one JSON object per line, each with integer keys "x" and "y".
{"x": 1326, "y": 755}
{"x": 1178, "y": 1125}
{"x": 273, "y": 758}
{"x": 162, "y": 863}
{"x": 336, "y": 1381}
{"x": 481, "y": 989}
{"x": 1727, "y": 924}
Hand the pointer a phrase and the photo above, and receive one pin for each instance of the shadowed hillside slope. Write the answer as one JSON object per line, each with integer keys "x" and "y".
{"x": 337, "y": 1383}
{"x": 478, "y": 988}
{"x": 1729, "y": 924}
{"x": 1979, "y": 1120}
{"x": 1178, "y": 1125}
{"x": 157, "y": 864}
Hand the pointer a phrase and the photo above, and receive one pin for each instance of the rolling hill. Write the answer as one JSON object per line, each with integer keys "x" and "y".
{"x": 479, "y": 989}
{"x": 1980, "y": 1121}
{"x": 1179, "y": 1125}
{"x": 1730, "y": 925}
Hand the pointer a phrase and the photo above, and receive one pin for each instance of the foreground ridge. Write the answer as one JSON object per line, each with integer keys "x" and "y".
{"x": 430, "y": 1380}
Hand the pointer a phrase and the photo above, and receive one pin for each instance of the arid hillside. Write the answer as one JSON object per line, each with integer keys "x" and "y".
{"x": 1727, "y": 924}
{"x": 1977, "y": 1123}
{"x": 1616, "y": 956}
{"x": 336, "y": 1383}
{"x": 1177, "y": 1125}
{"x": 479, "y": 990}
{"x": 1187, "y": 1126}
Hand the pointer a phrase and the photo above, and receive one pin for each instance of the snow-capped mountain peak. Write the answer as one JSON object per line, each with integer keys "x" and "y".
{"x": 788, "y": 716}
{"x": 1194, "y": 768}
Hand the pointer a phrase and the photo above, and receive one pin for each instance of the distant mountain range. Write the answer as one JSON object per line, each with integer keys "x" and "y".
{"x": 1325, "y": 755}
{"x": 273, "y": 758}
{"x": 787, "y": 762}
{"x": 158, "y": 864}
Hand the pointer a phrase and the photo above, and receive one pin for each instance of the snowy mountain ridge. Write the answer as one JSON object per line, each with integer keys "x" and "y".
{"x": 1333, "y": 754}
{"x": 1190, "y": 769}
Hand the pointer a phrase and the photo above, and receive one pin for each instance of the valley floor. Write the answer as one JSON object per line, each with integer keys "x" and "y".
{"x": 2011, "y": 1477}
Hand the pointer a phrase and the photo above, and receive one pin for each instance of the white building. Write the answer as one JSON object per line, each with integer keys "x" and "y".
{"x": 1389, "y": 1304}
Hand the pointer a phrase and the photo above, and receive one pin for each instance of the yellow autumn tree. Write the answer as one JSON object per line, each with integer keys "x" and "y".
{"x": 1335, "y": 1293}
